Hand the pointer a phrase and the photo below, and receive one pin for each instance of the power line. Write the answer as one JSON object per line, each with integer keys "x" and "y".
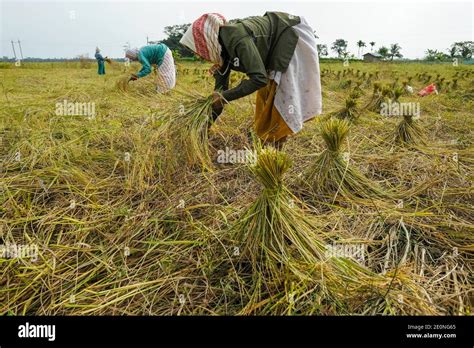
{"x": 21, "y": 52}
{"x": 13, "y": 47}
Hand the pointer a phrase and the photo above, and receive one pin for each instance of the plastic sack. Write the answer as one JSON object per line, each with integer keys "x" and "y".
{"x": 430, "y": 89}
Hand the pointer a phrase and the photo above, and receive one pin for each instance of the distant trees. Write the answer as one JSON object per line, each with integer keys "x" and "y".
{"x": 395, "y": 51}
{"x": 322, "y": 50}
{"x": 340, "y": 47}
{"x": 383, "y": 51}
{"x": 435, "y": 55}
{"x": 452, "y": 51}
{"x": 175, "y": 33}
{"x": 463, "y": 49}
{"x": 390, "y": 53}
{"x": 360, "y": 44}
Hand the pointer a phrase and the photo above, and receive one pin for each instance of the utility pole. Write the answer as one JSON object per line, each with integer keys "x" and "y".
{"x": 21, "y": 52}
{"x": 13, "y": 47}
{"x": 147, "y": 40}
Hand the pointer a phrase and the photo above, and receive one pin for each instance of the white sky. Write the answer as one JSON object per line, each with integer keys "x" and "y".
{"x": 69, "y": 28}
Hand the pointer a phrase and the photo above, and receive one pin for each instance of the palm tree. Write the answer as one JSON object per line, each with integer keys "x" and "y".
{"x": 395, "y": 51}
{"x": 360, "y": 44}
{"x": 372, "y": 44}
{"x": 432, "y": 55}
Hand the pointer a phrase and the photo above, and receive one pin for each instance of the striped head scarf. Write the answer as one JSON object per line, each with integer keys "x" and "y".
{"x": 202, "y": 37}
{"x": 132, "y": 54}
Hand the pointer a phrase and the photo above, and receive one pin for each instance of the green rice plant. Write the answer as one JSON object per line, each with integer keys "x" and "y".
{"x": 409, "y": 132}
{"x": 332, "y": 173}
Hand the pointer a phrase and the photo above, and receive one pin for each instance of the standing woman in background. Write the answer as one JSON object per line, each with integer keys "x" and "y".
{"x": 278, "y": 53}
{"x": 100, "y": 61}
{"x": 159, "y": 56}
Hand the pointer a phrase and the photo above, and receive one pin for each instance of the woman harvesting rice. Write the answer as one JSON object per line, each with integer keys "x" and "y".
{"x": 100, "y": 61}
{"x": 160, "y": 56}
{"x": 278, "y": 53}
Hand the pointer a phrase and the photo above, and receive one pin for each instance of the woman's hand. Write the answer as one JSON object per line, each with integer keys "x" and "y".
{"x": 217, "y": 105}
{"x": 217, "y": 100}
{"x": 133, "y": 77}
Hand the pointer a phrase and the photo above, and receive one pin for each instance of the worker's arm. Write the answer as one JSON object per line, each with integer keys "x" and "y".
{"x": 99, "y": 57}
{"x": 249, "y": 59}
{"x": 221, "y": 78}
{"x": 146, "y": 66}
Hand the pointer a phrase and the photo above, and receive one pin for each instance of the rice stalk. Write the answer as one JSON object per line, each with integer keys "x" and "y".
{"x": 332, "y": 173}
{"x": 122, "y": 83}
{"x": 380, "y": 95}
{"x": 187, "y": 123}
{"x": 409, "y": 132}
{"x": 273, "y": 231}
{"x": 349, "y": 111}
{"x": 281, "y": 243}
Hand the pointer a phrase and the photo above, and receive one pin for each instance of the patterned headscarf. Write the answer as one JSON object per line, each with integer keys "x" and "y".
{"x": 132, "y": 54}
{"x": 202, "y": 37}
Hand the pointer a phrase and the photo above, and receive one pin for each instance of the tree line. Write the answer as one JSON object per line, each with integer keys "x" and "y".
{"x": 462, "y": 49}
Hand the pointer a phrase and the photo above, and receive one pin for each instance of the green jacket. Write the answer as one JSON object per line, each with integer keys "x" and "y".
{"x": 254, "y": 46}
{"x": 151, "y": 54}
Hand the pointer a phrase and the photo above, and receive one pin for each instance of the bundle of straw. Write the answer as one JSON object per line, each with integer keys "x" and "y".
{"x": 188, "y": 122}
{"x": 274, "y": 231}
{"x": 283, "y": 245}
{"x": 379, "y": 96}
{"x": 409, "y": 132}
{"x": 349, "y": 111}
{"x": 331, "y": 173}
{"x": 122, "y": 83}
{"x": 397, "y": 92}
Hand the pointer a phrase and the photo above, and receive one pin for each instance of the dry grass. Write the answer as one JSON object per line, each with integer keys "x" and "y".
{"x": 121, "y": 230}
